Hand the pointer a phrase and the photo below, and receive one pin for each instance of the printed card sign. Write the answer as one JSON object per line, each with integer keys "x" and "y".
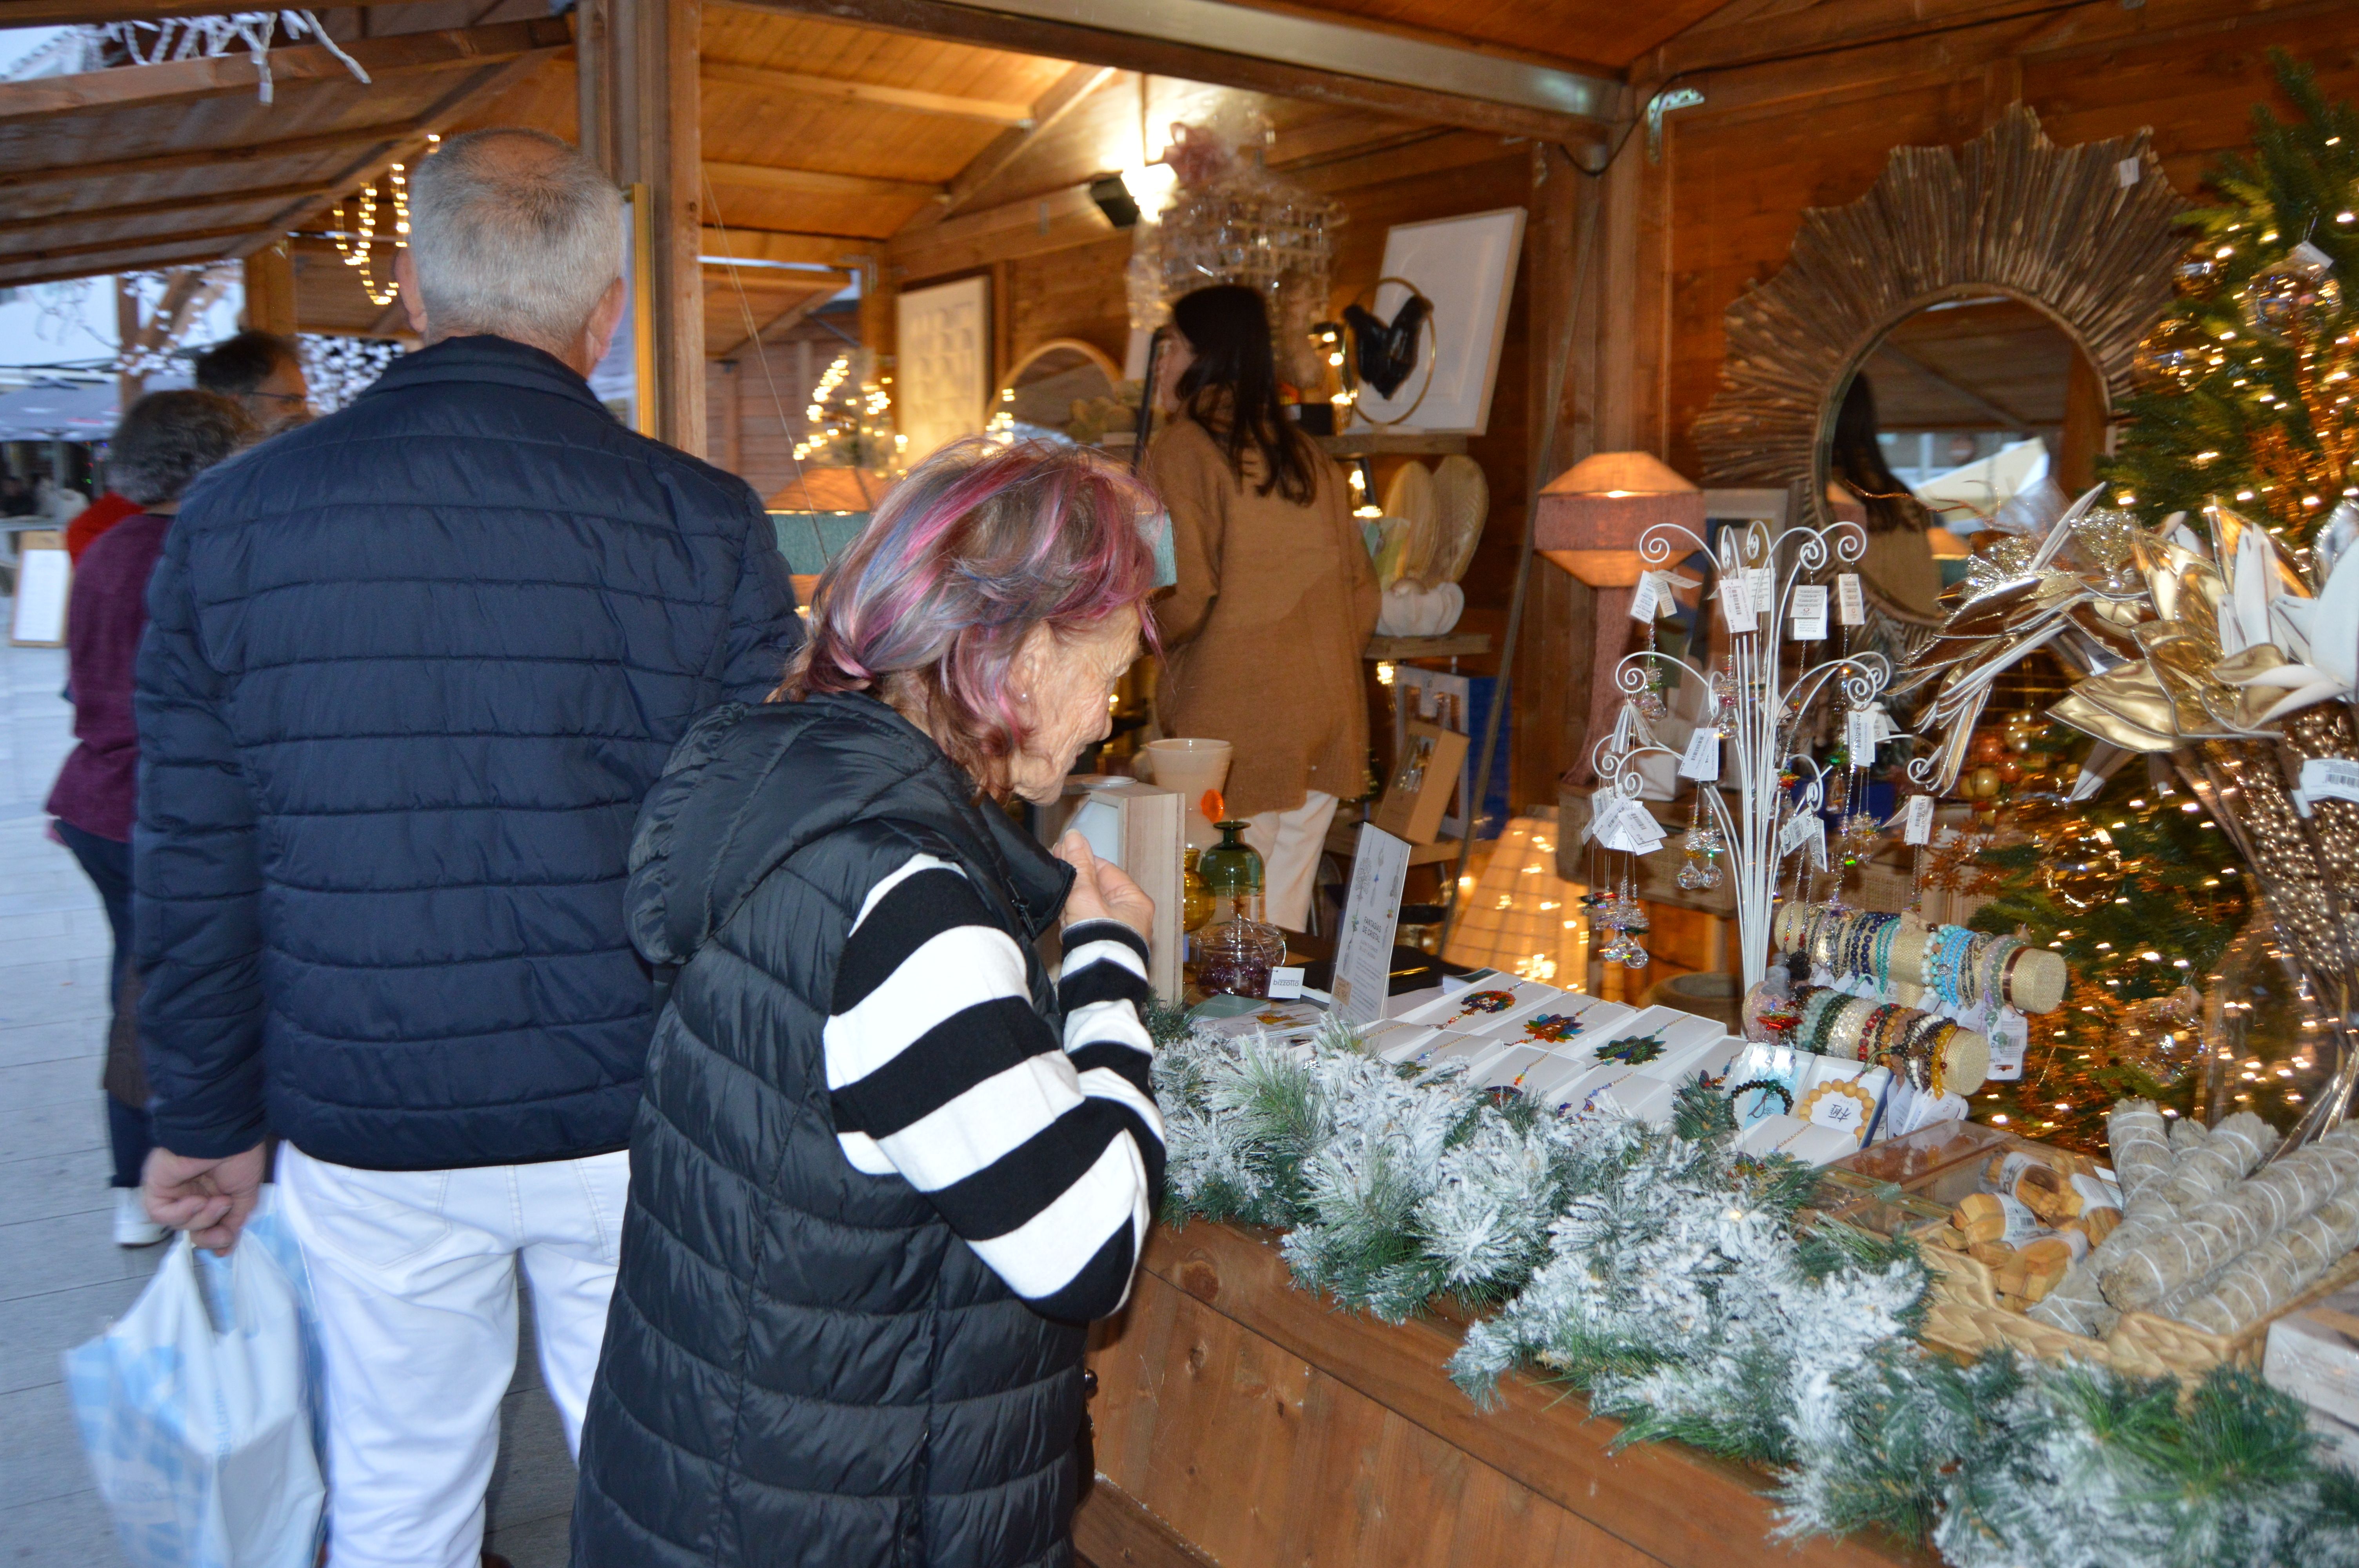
{"x": 1701, "y": 759}
{"x": 1851, "y": 605}
{"x": 1285, "y": 984}
{"x": 1642, "y": 600}
{"x": 1860, "y": 736}
{"x": 2010, "y": 1034}
{"x": 1918, "y": 829}
{"x": 1761, "y": 584}
{"x": 1810, "y": 611}
{"x": 1364, "y": 941}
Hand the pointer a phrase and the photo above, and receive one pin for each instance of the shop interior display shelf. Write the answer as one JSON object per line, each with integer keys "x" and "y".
{"x": 1241, "y": 1422}
{"x": 1392, "y": 444}
{"x": 1450, "y": 645}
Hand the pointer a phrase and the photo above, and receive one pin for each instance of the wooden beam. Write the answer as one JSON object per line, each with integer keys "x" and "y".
{"x": 106, "y": 247}
{"x": 74, "y": 13}
{"x": 188, "y": 80}
{"x": 1064, "y": 96}
{"x": 134, "y": 254}
{"x": 211, "y": 158}
{"x": 837, "y": 90}
{"x": 817, "y": 182}
{"x": 1593, "y": 104}
{"x": 170, "y": 206}
{"x": 784, "y": 321}
{"x": 779, "y": 246}
{"x": 1725, "y": 38}
{"x": 270, "y": 290}
{"x": 1035, "y": 226}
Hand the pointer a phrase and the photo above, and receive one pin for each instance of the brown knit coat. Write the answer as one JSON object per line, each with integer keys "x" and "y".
{"x": 1263, "y": 634}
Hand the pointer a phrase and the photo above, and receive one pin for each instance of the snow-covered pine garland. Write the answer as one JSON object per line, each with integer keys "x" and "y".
{"x": 1663, "y": 1274}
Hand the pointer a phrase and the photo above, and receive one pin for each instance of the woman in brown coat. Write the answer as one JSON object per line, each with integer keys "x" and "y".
{"x": 1276, "y": 599}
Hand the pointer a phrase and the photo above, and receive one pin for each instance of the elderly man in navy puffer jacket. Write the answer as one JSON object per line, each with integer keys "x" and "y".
{"x": 408, "y": 673}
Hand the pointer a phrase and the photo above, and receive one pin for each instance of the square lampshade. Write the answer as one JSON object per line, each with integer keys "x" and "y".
{"x": 1592, "y": 516}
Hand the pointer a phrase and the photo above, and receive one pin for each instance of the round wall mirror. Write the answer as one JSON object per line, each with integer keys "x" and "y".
{"x": 1959, "y": 408}
{"x": 1036, "y": 401}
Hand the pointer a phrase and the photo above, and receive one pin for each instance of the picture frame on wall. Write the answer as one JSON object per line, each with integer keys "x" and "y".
{"x": 942, "y": 363}
{"x": 625, "y": 376}
{"x": 1466, "y": 268}
{"x": 1423, "y": 780}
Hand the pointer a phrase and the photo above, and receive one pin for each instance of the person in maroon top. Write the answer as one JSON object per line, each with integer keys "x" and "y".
{"x": 164, "y": 442}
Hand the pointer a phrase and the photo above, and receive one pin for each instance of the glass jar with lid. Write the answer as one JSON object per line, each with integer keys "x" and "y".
{"x": 1235, "y": 949}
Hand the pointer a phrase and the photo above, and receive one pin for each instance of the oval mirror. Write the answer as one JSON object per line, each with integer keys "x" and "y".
{"x": 1961, "y": 409}
{"x": 1036, "y": 401}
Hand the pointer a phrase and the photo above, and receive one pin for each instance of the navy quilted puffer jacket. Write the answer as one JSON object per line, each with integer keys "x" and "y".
{"x": 409, "y": 673}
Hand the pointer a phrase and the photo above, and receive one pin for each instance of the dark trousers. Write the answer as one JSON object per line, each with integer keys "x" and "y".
{"x": 107, "y": 863}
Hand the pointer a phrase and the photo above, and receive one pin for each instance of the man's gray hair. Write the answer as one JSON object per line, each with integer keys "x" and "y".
{"x": 513, "y": 232}
{"x": 168, "y": 438}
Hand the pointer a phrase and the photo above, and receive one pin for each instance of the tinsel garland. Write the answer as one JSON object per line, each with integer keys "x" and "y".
{"x": 1673, "y": 1281}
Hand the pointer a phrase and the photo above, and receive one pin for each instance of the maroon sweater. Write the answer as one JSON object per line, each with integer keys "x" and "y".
{"x": 96, "y": 790}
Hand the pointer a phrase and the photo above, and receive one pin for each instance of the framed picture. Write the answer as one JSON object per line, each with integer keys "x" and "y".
{"x": 1422, "y": 782}
{"x": 943, "y": 363}
{"x": 43, "y": 580}
{"x": 1466, "y": 268}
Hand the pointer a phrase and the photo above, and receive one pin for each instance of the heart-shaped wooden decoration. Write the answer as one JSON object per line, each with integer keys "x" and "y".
{"x": 1387, "y": 351}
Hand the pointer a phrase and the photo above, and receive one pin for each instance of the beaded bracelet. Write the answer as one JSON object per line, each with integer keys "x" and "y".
{"x": 1812, "y": 1037}
{"x": 1766, "y": 1086}
{"x": 1884, "y": 941}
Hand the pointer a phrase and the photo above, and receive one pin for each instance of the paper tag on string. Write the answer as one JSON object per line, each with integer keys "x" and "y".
{"x": 1285, "y": 984}
{"x": 1851, "y": 606}
{"x": 1736, "y": 602}
{"x": 1918, "y": 827}
{"x": 1810, "y": 611}
{"x": 1642, "y": 600}
{"x": 1761, "y": 586}
{"x": 2008, "y": 1036}
{"x": 1860, "y": 736}
{"x": 1790, "y": 837}
{"x": 1701, "y": 759}
{"x": 1817, "y": 843}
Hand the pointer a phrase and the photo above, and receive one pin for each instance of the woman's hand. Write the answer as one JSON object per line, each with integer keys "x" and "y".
{"x": 1102, "y": 891}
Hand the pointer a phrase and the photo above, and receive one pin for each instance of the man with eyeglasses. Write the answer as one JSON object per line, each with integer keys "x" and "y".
{"x": 263, "y": 374}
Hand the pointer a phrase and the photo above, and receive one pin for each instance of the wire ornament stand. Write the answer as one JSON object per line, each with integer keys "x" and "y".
{"x": 1767, "y": 716}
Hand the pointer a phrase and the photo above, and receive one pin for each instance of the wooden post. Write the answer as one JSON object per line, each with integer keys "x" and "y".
{"x": 640, "y": 104}
{"x": 129, "y": 338}
{"x": 880, "y": 325}
{"x": 270, "y": 289}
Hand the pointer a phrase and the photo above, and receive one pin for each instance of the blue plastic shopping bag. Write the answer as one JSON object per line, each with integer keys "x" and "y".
{"x": 199, "y": 1411}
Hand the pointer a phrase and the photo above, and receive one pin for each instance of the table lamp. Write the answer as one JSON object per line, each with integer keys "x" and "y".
{"x": 1591, "y": 515}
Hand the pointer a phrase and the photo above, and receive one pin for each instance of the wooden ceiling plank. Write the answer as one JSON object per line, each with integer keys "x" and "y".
{"x": 175, "y": 204}
{"x": 106, "y": 247}
{"x": 815, "y": 182}
{"x": 784, "y": 321}
{"x": 784, "y": 245}
{"x": 1715, "y": 43}
{"x": 480, "y": 86}
{"x": 76, "y": 13}
{"x": 1034, "y": 226}
{"x": 836, "y": 89}
{"x": 209, "y": 158}
{"x": 183, "y": 81}
{"x": 1197, "y": 62}
{"x": 138, "y": 254}
{"x": 1049, "y": 111}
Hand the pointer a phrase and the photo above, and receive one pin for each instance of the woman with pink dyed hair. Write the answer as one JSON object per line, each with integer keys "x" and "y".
{"x": 888, "y": 1167}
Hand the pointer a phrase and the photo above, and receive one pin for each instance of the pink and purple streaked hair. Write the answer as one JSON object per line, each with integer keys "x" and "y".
{"x": 977, "y": 545}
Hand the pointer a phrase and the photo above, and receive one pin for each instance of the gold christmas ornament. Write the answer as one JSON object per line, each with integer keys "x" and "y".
{"x": 2084, "y": 869}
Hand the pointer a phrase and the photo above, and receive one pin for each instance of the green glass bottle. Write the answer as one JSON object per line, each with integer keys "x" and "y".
{"x": 1232, "y": 873}
{"x": 1236, "y": 950}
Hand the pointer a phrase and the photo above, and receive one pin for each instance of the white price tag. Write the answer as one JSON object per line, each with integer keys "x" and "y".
{"x": 1851, "y": 606}
{"x": 1285, "y": 984}
{"x": 2329, "y": 778}
{"x": 1920, "y": 825}
{"x": 1885, "y": 728}
{"x": 1810, "y": 611}
{"x": 1790, "y": 837}
{"x": 1818, "y": 843}
{"x": 1701, "y": 759}
{"x": 1761, "y": 584}
{"x": 1642, "y": 599}
{"x": 1859, "y": 736}
{"x": 1736, "y": 602}
{"x": 2008, "y": 1036}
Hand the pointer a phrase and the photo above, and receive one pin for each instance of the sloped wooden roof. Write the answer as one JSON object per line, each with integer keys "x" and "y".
{"x": 145, "y": 165}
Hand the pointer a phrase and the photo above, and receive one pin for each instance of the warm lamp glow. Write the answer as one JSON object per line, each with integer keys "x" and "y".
{"x": 1150, "y": 186}
{"x": 1592, "y": 516}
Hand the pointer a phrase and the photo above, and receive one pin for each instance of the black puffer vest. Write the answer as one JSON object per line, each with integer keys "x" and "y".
{"x": 803, "y": 1364}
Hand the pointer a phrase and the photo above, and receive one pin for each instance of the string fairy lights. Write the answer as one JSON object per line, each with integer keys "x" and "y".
{"x": 356, "y": 241}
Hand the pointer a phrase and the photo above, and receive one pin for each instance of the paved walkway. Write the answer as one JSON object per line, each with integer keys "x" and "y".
{"x": 61, "y": 1276}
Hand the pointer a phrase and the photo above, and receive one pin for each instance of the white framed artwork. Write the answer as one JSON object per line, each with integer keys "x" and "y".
{"x": 943, "y": 363}
{"x": 1466, "y": 266}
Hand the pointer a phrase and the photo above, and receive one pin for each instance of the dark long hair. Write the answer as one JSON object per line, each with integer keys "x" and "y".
{"x": 1856, "y": 458}
{"x": 1232, "y": 389}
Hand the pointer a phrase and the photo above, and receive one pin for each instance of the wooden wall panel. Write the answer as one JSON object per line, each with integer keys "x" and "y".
{"x": 1773, "y": 138}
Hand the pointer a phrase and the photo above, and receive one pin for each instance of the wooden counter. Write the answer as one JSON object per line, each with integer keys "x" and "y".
{"x": 1244, "y": 1422}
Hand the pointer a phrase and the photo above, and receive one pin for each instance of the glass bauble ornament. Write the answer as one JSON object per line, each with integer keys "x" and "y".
{"x": 2196, "y": 273}
{"x": 2084, "y": 868}
{"x": 2158, "y": 1037}
{"x": 2285, "y": 296}
{"x": 2171, "y": 355}
{"x": 2106, "y": 538}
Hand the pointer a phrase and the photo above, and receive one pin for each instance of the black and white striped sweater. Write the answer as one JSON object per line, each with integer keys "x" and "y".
{"x": 1045, "y": 1156}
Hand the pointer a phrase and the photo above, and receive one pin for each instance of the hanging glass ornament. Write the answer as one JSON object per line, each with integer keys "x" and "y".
{"x": 2286, "y": 295}
{"x": 2159, "y": 1038}
{"x": 2082, "y": 868}
{"x": 2196, "y": 273}
{"x": 1649, "y": 701}
{"x": 1723, "y": 697}
{"x": 2106, "y": 538}
{"x": 2172, "y": 355}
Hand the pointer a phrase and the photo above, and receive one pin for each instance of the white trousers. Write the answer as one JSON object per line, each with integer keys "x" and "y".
{"x": 1289, "y": 843}
{"x": 414, "y": 1276}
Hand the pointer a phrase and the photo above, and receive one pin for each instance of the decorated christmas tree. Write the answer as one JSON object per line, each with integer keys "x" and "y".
{"x": 2250, "y": 383}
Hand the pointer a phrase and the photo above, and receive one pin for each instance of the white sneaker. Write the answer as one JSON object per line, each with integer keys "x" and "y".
{"x": 132, "y": 1225}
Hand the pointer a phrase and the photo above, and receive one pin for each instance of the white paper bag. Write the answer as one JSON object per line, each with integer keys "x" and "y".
{"x": 199, "y": 1420}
